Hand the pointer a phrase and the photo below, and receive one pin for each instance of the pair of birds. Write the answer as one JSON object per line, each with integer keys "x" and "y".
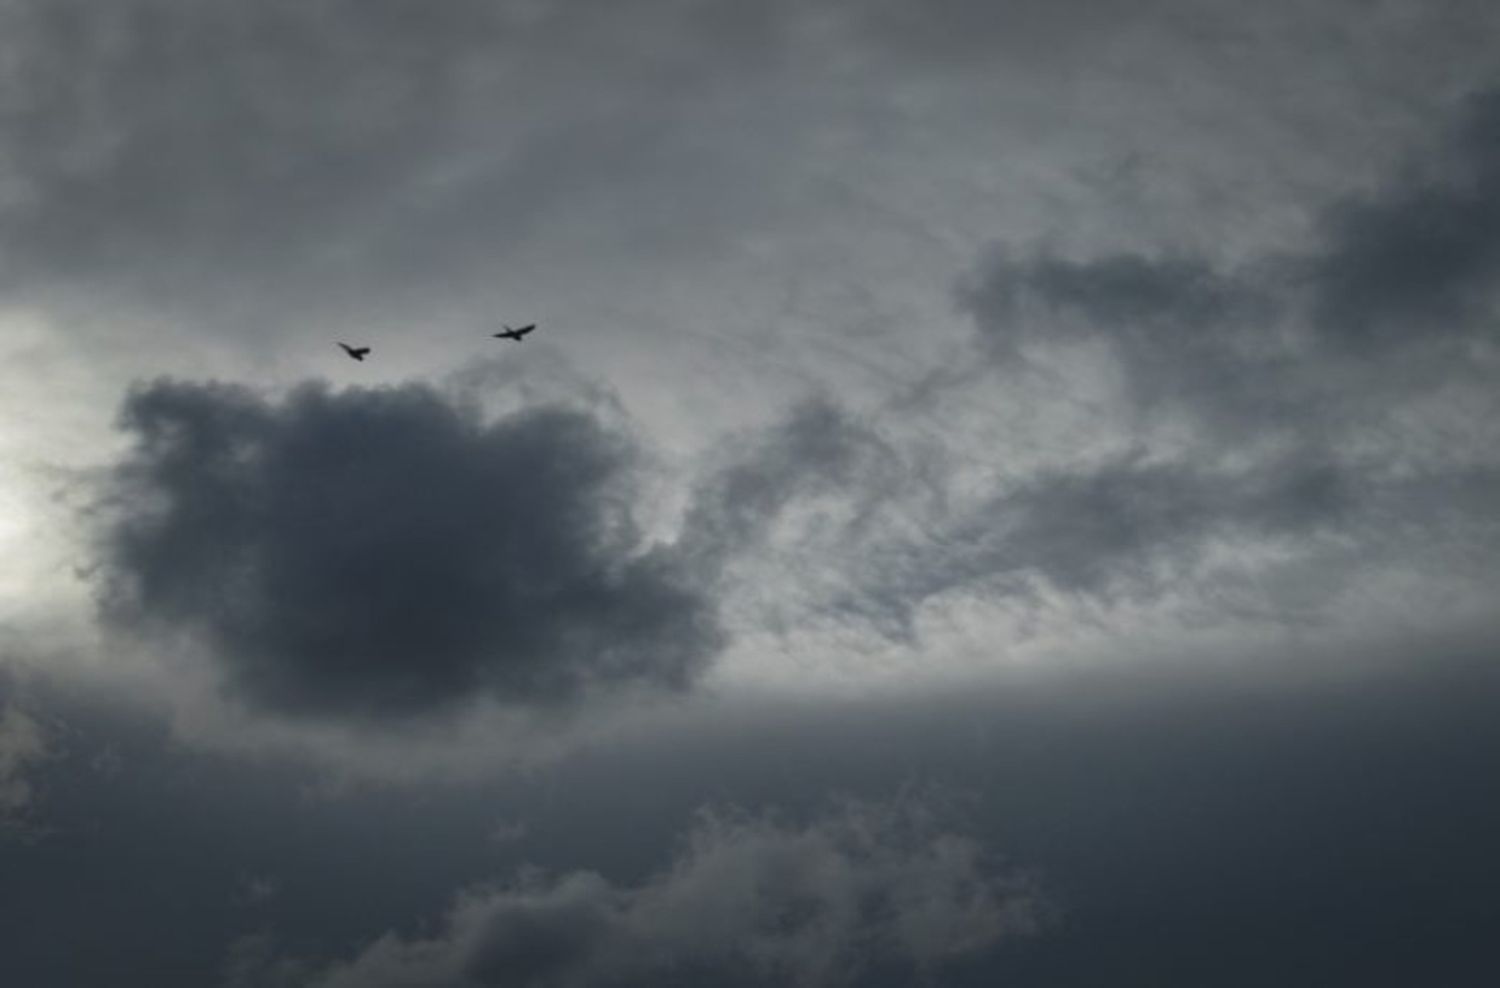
{"x": 361, "y": 352}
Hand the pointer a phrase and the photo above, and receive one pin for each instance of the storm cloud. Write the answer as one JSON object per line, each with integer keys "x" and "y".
{"x": 1168, "y": 545}
{"x": 385, "y": 551}
{"x": 747, "y": 901}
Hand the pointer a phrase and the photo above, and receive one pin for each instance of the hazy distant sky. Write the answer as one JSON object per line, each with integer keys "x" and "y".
{"x": 1001, "y": 493}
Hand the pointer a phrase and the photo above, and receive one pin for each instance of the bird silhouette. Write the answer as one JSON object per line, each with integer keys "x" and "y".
{"x": 357, "y": 352}
{"x": 515, "y": 334}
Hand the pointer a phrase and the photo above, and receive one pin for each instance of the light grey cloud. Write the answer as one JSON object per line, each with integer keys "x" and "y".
{"x": 816, "y": 448}
{"x": 509, "y": 831}
{"x": 1291, "y": 400}
{"x": 1092, "y": 530}
{"x": 23, "y": 745}
{"x": 385, "y": 551}
{"x": 748, "y": 900}
{"x": 257, "y": 890}
{"x": 242, "y": 169}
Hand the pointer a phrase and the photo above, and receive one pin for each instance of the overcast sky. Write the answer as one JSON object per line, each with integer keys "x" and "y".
{"x": 999, "y": 493}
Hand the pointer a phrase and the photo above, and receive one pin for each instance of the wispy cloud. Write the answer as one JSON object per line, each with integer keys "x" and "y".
{"x": 23, "y": 745}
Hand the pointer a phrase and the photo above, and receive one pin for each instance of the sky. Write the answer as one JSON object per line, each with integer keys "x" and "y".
{"x": 999, "y": 493}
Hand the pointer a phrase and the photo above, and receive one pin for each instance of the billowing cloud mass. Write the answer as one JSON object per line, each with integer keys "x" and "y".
{"x": 868, "y": 889}
{"x": 384, "y": 551}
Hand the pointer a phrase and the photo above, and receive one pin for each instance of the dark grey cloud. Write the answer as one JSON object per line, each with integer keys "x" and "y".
{"x": 1417, "y": 261}
{"x": 386, "y": 551}
{"x": 1177, "y": 296}
{"x": 1181, "y": 331}
{"x": 747, "y": 901}
{"x": 1151, "y": 303}
{"x": 1233, "y": 819}
{"x": 1410, "y": 266}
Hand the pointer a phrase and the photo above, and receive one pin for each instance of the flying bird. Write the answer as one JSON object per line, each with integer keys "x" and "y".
{"x": 357, "y": 352}
{"x": 515, "y": 334}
